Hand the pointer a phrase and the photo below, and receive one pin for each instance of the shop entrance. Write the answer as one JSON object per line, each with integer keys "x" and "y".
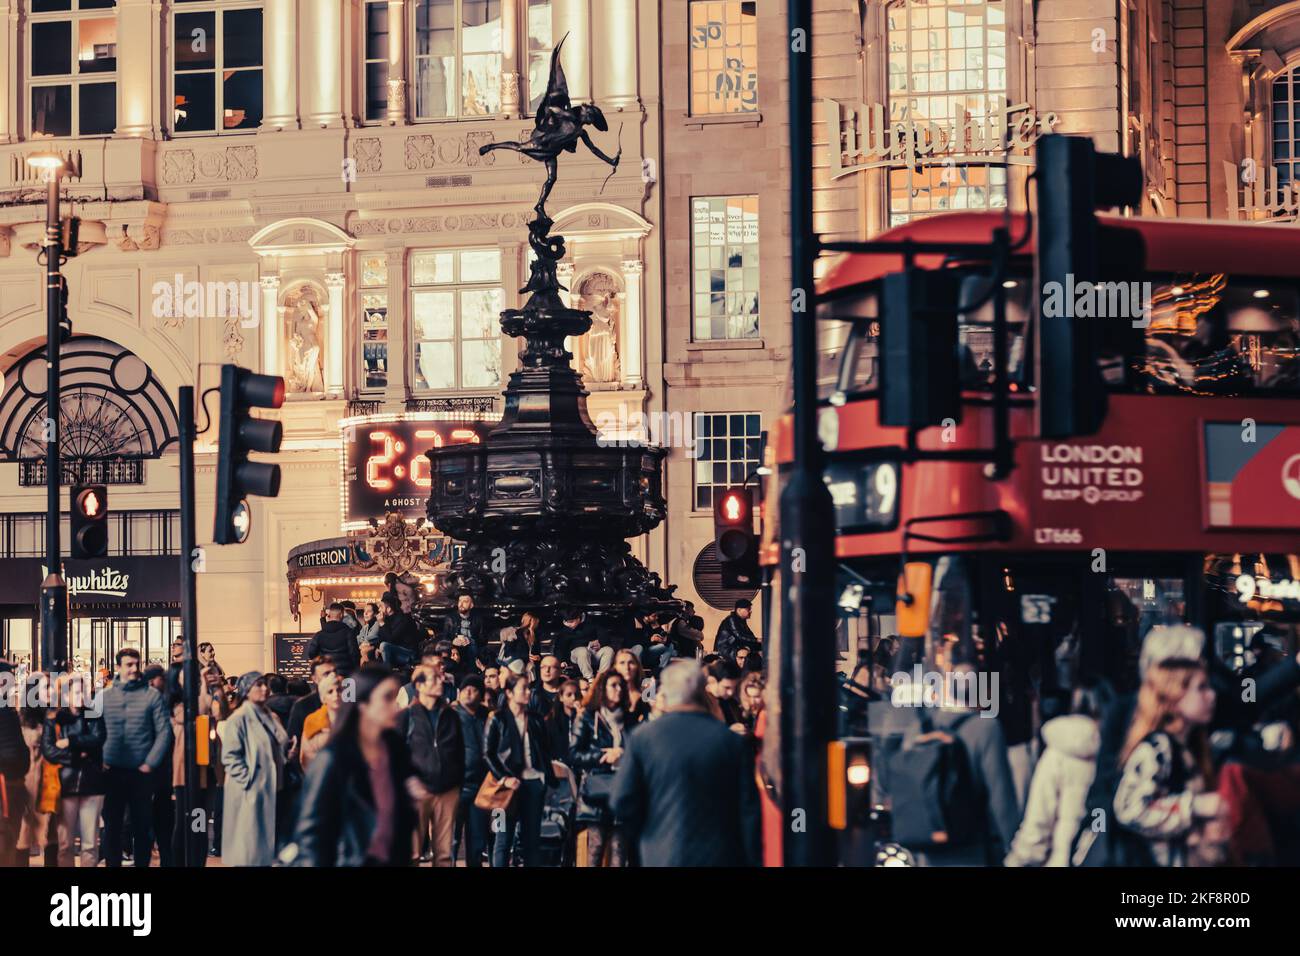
{"x": 95, "y": 641}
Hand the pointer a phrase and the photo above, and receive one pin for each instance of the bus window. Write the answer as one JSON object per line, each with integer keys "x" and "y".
{"x": 1216, "y": 335}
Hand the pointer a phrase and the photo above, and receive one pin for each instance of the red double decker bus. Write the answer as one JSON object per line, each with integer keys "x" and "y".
{"x": 1184, "y": 506}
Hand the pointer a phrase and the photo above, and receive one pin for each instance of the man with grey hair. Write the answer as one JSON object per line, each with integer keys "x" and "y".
{"x": 1234, "y": 709}
{"x": 685, "y": 788}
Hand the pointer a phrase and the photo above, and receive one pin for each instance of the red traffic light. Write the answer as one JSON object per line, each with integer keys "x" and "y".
{"x": 735, "y": 507}
{"x": 90, "y": 503}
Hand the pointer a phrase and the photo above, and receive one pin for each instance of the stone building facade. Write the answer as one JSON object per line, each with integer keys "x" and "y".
{"x": 295, "y": 186}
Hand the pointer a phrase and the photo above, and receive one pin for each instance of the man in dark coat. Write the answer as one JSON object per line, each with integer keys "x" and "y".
{"x": 336, "y": 641}
{"x": 471, "y": 822}
{"x": 685, "y": 787}
{"x": 468, "y": 627}
{"x": 432, "y": 731}
{"x": 734, "y": 633}
{"x": 579, "y": 642}
{"x": 400, "y": 636}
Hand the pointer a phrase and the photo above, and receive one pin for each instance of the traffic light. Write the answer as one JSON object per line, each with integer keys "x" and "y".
{"x": 734, "y": 538}
{"x": 920, "y": 370}
{"x": 848, "y": 778}
{"x": 88, "y": 513}
{"x": 1074, "y": 180}
{"x": 241, "y": 433}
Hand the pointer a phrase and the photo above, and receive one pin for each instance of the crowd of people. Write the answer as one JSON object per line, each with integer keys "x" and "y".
{"x": 460, "y": 742}
{"x": 1198, "y": 767}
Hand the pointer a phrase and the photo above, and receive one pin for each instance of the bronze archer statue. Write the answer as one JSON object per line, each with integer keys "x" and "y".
{"x": 560, "y": 126}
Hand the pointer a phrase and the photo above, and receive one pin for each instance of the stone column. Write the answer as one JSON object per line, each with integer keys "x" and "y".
{"x": 336, "y": 345}
{"x": 321, "y": 63}
{"x": 511, "y": 281}
{"x": 9, "y": 85}
{"x": 614, "y": 54}
{"x": 397, "y": 325}
{"x": 280, "y": 56}
{"x": 396, "y": 88}
{"x": 271, "y": 323}
{"x": 564, "y": 272}
{"x": 510, "y": 57}
{"x": 629, "y": 343}
{"x": 574, "y": 18}
{"x": 138, "y": 78}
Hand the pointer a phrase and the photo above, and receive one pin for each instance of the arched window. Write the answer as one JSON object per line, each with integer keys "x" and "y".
{"x": 947, "y": 63}
{"x": 111, "y": 410}
{"x": 1286, "y": 126}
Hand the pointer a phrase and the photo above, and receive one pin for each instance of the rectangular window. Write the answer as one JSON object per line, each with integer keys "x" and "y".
{"x": 947, "y": 63}
{"x": 541, "y": 41}
{"x": 72, "y": 78}
{"x": 377, "y": 60}
{"x": 456, "y": 300}
{"x": 724, "y": 56}
{"x": 216, "y": 69}
{"x": 374, "y": 319}
{"x": 457, "y": 58}
{"x": 728, "y": 449}
{"x": 1286, "y": 128}
{"x": 724, "y": 266}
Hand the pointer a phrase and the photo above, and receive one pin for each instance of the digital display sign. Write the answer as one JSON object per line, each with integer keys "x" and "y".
{"x": 384, "y": 466}
{"x": 865, "y": 496}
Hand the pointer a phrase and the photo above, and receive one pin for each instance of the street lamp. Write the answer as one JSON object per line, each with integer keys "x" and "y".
{"x": 54, "y": 592}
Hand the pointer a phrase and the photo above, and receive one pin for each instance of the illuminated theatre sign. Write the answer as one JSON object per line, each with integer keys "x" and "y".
{"x": 868, "y": 141}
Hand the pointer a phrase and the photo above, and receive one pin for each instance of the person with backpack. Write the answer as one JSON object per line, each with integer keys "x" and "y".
{"x": 1166, "y": 786}
{"x": 954, "y": 799}
{"x": 1059, "y": 792}
{"x": 433, "y": 733}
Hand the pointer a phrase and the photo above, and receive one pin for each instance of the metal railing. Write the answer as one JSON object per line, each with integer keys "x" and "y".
{"x": 129, "y": 533}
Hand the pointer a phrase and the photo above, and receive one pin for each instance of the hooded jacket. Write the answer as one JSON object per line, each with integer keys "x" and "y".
{"x": 1058, "y": 796}
{"x": 338, "y": 642}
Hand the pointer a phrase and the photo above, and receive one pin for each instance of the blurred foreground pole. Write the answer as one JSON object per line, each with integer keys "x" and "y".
{"x": 807, "y": 663}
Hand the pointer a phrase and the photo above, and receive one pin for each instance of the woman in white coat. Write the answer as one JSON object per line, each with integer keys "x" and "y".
{"x": 1058, "y": 795}
{"x": 252, "y": 753}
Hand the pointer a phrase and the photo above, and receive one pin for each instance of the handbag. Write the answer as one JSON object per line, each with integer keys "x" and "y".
{"x": 593, "y": 797}
{"x": 493, "y": 794}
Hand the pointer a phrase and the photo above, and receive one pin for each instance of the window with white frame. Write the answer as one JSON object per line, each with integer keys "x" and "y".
{"x": 1286, "y": 127}
{"x": 947, "y": 63}
{"x": 72, "y": 68}
{"x": 376, "y": 64}
{"x": 374, "y": 319}
{"x": 457, "y": 58}
{"x": 456, "y": 301}
{"x": 728, "y": 449}
{"x": 724, "y": 267}
{"x": 540, "y": 43}
{"x": 216, "y": 66}
{"x": 724, "y": 56}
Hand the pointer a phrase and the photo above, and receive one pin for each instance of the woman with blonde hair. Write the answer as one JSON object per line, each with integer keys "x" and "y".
{"x": 1166, "y": 789}
{"x": 318, "y": 726}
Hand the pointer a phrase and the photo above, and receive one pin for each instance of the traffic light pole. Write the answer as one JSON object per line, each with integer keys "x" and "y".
{"x": 54, "y": 592}
{"x": 195, "y": 850}
{"x": 807, "y": 653}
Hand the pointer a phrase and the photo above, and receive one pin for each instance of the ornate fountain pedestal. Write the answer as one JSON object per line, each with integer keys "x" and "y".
{"x": 542, "y": 504}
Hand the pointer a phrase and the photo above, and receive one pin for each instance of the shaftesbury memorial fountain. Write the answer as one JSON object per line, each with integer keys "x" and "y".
{"x": 543, "y": 506}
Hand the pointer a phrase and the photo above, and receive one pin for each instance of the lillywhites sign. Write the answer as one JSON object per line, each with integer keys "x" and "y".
{"x": 106, "y": 581}
{"x": 1254, "y": 193}
{"x": 868, "y": 141}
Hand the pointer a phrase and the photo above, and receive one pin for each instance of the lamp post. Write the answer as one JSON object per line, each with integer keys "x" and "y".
{"x": 54, "y": 592}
